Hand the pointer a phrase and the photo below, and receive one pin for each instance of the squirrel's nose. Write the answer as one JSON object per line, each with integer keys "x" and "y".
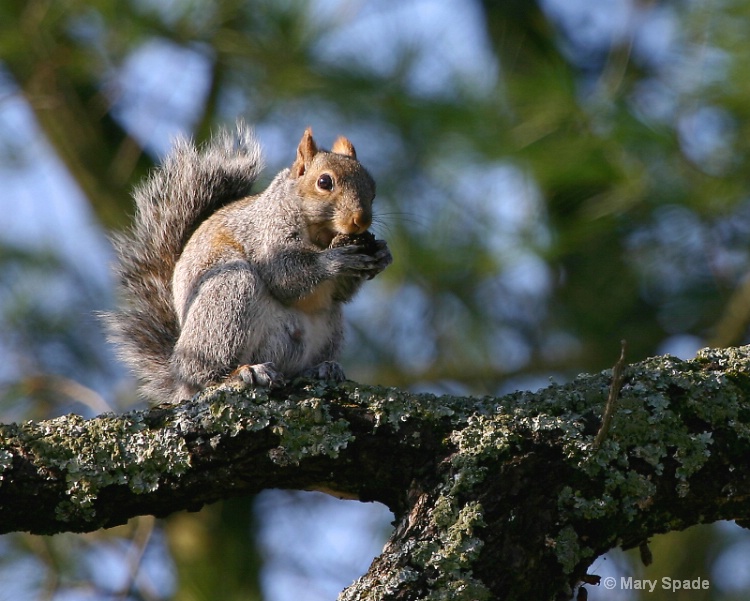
{"x": 360, "y": 222}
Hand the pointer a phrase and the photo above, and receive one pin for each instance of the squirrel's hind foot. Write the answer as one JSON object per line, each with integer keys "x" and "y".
{"x": 260, "y": 374}
{"x": 327, "y": 370}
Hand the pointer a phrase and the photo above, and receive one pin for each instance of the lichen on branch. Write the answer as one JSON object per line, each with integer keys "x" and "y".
{"x": 504, "y": 497}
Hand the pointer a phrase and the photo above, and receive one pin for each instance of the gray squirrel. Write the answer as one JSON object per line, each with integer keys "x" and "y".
{"x": 219, "y": 285}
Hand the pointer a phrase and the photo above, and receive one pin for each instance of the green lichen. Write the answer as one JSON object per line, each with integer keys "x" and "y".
{"x": 658, "y": 410}
{"x": 665, "y": 413}
{"x": 102, "y": 451}
{"x": 664, "y": 416}
{"x": 302, "y": 421}
{"x": 485, "y": 436}
{"x": 125, "y": 450}
{"x": 453, "y": 550}
{"x": 6, "y": 461}
{"x": 655, "y": 429}
{"x": 306, "y": 430}
{"x": 389, "y": 584}
{"x": 657, "y": 420}
{"x": 393, "y": 407}
{"x": 454, "y": 544}
{"x": 568, "y": 550}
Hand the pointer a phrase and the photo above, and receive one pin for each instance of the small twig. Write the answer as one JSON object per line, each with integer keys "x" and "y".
{"x": 647, "y": 558}
{"x": 614, "y": 391}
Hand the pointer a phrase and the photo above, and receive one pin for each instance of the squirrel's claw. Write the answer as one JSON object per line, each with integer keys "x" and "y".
{"x": 260, "y": 374}
{"x": 327, "y": 370}
{"x": 382, "y": 257}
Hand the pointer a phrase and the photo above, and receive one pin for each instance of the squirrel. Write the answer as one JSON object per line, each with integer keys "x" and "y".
{"x": 219, "y": 285}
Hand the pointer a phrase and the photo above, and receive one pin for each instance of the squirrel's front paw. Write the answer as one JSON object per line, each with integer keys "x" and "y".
{"x": 383, "y": 258}
{"x": 349, "y": 260}
{"x": 356, "y": 260}
{"x": 327, "y": 370}
{"x": 260, "y": 374}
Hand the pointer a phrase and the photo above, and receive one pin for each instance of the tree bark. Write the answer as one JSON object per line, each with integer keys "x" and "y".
{"x": 505, "y": 498}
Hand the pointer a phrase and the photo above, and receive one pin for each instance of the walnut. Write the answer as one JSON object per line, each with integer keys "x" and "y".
{"x": 365, "y": 240}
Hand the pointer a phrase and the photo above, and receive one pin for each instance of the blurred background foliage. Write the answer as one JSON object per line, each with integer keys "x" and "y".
{"x": 553, "y": 177}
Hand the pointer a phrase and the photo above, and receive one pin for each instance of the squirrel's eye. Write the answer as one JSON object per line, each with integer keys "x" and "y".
{"x": 325, "y": 182}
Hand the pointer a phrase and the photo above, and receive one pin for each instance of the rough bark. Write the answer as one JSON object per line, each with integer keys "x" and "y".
{"x": 505, "y": 498}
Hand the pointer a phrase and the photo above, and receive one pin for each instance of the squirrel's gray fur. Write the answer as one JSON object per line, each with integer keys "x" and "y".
{"x": 217, "y": 284}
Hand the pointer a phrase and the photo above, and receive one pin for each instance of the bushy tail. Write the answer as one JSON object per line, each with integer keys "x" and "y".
{"x": 191, "y": 184}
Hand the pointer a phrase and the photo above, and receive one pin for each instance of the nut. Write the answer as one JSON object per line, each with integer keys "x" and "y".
{"x": 365, "y": 240}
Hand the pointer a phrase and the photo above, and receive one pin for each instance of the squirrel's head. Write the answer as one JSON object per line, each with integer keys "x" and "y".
{"x": 335, "y": 189}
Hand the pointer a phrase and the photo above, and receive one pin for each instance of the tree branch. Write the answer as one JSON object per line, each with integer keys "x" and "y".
{"x": 502, "y": 498}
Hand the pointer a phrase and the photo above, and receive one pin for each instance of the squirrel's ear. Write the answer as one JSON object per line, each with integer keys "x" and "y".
{"x": 343, "y": 146}
{"x": 305, "y": 153}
